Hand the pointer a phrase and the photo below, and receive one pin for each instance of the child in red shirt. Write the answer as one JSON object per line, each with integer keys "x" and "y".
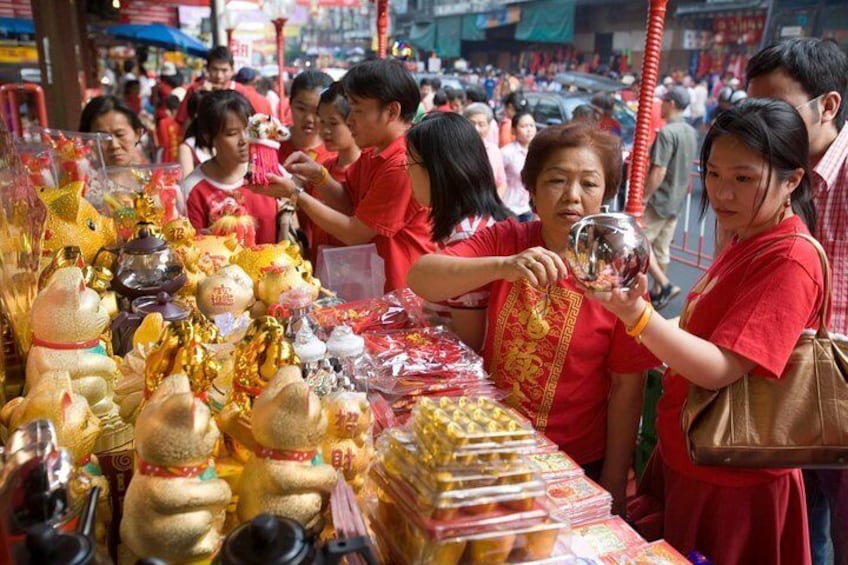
{"x": 169, "y": 132}
{"x": 216, "y": 196}
{"x": 744, "y": 316}
{"x": 375, "y": 204}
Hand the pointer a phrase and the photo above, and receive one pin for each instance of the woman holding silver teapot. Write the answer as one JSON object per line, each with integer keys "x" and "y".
{"x": 566, "y": 362}
{"x": 744, "y": 316}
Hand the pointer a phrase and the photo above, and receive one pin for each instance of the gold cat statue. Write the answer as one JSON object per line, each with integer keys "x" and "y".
{"x": 68, "y": 319}
{"x": 77, "y": 429}
{"x": 72, "y": 220}
{"x": 175, "y": 504}
{"x": 286, "y": 475}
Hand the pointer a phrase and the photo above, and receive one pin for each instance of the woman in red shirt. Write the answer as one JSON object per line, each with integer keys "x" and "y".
{"x": 743, "y": 316}
{"x": 565, "y": 361}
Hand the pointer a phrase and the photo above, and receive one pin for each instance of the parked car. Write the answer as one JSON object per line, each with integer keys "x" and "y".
{"x": 554, "y": 108}
{"x": 450, "y": 81}
{"x": 588, "y": 82}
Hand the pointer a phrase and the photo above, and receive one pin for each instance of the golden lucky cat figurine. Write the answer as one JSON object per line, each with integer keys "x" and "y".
{"x": 175, "y": 504}
{"x": 67, "y": 321}
{"x": 286, "y": 475}
{"x": 77, "y": 430}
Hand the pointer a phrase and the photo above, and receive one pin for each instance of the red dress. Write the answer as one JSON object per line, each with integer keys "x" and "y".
{"x": 754, "y": 302}
{"x": 554, "y": 350}
{"x": 317, "y": 236}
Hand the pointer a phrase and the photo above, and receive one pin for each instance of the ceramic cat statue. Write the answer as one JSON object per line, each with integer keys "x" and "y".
{"x": 175, "y": 505}
{"x": 286, "y": 475}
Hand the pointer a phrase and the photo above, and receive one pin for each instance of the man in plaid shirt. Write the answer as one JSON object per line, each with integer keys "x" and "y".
{"x": 812, "y": 75}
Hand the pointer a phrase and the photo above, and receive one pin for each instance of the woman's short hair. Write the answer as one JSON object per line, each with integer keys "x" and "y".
{"x": 309, "y": 80}
{"x": 101, "y": 105}
{"x": 520, "y": 114}
{"x": 574, "y": 135}
{"x": 776, "y": 132}
{"x": 335, "y": 95}
{"x": 477, "y": 109}
{"x": 461, "y": 180}
{"x": 212, "y": 114}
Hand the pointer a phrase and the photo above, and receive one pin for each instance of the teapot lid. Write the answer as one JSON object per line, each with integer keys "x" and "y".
{"x": 172, "y": 310}
{"x": 266, "y": 540}
{"x": 144, "y": 243}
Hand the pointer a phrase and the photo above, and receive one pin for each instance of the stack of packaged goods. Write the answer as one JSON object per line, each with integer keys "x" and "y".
{"x": 656, "y": 553}
{"x": 455, "y": 487}
{"x": 580, "y": 499}
{"x": 406, "y": 365}
{"x": 605, "y": 539}
{"x": 396, "y": 310}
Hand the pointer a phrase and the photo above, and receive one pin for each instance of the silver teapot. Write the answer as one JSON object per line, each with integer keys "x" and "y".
{"x": 607, "y": 251}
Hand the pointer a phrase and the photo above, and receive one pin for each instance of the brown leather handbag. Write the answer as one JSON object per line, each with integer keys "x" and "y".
{"x": 799, "y": 420}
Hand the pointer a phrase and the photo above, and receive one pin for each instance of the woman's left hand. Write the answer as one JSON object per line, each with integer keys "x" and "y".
{"x": 277, "y": 187}
{"x": 627, "y": 305}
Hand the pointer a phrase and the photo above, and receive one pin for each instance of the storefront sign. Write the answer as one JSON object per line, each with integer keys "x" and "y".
{"x": 18, "y": 55}
{"x": 696, "y": 39}
{"x": 741, "y": 29}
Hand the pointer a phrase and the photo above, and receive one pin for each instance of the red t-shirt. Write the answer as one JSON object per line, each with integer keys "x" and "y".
{"x": 168, "y": 135}
{"x": 260, "y": 104}
{"x": 752, "y": 304}
{"x": 553, "y": 350}
{"x": 382, "y": 200}
{"x": 208, "y": 200}
{"x": 182, "y": 113}
{"x": 317, "y": 236}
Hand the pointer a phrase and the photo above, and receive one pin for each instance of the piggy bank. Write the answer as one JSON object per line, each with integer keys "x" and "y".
{"x": 73, "y": 221}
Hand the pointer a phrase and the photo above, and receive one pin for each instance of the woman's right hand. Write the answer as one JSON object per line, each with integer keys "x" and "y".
{"x": 539, "y": 266}
{"x": 301, "y": 165}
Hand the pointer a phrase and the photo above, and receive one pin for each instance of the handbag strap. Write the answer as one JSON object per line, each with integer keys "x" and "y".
{"x": 822, "y": 332}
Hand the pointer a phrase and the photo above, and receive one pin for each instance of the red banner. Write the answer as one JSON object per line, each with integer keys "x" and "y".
{"x": 747, "y": 29}
{"x": 15, "y": 9}
{"x": 148, "y": 12}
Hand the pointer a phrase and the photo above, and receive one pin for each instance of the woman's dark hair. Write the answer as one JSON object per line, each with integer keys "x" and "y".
{"x": 131, "y": 84}
{"x": 516, "y": 100}
{"x": 192, "y": 106}
{"x": 606, "y": 145}
{"x": 775, "y": 131}
{"x": 100, "y": 105}
{"x": 335, "y": 95}
{"x": 385, "y": 81}
{"x": 461, "y": 180}
{"x": 520, "y": 114}
{"x": 212, "y": 114}
{"x": 310, "y": 80}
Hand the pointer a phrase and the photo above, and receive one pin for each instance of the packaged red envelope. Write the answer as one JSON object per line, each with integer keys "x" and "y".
{"x": 657, "y": 553}
{"x": 362, "y": 315}
{"x": 555, "y": 464}
{"x": 605, "y": 537}
{"x": 580, "y": 500}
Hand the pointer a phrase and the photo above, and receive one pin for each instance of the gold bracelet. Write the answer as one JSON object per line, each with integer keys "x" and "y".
{"x": 325, "y": 174}
{"x": 641, "y": 323}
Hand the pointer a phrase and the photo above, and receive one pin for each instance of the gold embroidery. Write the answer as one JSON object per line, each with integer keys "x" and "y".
{"x": 533, "y": 333}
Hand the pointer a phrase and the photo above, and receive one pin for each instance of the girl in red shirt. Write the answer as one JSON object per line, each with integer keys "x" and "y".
{"x": 217, "y": 199}
{"x": 743, "y": 316}
{"x": 564, "y": 361}
{"x": 333, "y": 109}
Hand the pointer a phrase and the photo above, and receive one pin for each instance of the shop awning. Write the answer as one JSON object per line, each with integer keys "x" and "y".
{"x": 423, "y": 36}
{"x": 470, "y": 31}
{"x": 448, "y": 36}
{"x": 548, "y": 21}
{"x": 711, "y": 8}
{"x": 17, "y": 26}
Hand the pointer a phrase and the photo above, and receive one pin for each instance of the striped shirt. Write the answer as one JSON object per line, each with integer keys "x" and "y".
{"x": 830, "y": 184}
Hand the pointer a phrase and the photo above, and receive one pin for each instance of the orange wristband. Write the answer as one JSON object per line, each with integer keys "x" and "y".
{"x": 642, "y": 322}
{"x": 324, "y": 175}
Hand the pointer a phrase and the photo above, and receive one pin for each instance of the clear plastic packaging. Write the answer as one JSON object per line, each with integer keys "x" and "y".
{"x": 354, "y": 272}
{"x": 580, "y": 500}
{"x": 39, "y": 162}
{"x": 361, "y": 315}
{"x": 405, "y": 541}
{"x": 598, "y": 539}
{"x": 656, "y": 553}
{"x": 148, "y": 193}
{"x": 78, "y": 156}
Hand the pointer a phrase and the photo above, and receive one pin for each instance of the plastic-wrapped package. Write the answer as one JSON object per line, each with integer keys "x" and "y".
{"x": 580, "y": 500}
{"x": 656, "y": 553}
{"x": 78, "y": 156}
{"x": 39, "y": 161}
{"x": 141, "y": 193}
{"x": 596, "y": 540}
{"x": 384, "y": 313}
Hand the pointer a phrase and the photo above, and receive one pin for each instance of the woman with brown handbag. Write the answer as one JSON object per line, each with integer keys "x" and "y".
{"x": 743, "y": 316}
